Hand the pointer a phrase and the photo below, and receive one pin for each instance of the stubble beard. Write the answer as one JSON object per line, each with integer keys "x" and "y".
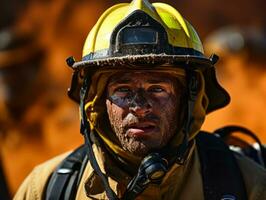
{"x": 142, "y": 146}
{"x": 136, "y": 146}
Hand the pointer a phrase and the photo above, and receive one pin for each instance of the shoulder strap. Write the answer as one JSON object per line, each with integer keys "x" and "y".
{"x": 221, "y": 175}
{"x": 63, "y": 183}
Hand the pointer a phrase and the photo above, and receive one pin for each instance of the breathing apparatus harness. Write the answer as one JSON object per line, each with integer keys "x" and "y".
{"x": 155, "y": 165}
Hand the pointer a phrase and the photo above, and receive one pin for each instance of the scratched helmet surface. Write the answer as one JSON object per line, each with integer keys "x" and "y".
{"x": 141, "y": 34}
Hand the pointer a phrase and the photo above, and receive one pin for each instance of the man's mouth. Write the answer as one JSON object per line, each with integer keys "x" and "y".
{"x": 140, "y": 130}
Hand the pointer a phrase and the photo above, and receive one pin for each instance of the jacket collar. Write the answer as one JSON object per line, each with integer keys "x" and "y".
{"x": 92, "y": 187}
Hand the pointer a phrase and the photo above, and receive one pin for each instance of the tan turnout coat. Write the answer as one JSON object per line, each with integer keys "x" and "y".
{"x": 181, "y": 182}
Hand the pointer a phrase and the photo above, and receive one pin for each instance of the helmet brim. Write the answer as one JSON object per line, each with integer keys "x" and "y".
{"x": 218, "y": 97}
{"x": 144, "y": 60}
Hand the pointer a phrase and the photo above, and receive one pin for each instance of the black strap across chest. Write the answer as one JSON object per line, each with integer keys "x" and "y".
{"x": 63, "y": 183}
{"x": 221, "y": 176}
{"x": 222, "y": 179}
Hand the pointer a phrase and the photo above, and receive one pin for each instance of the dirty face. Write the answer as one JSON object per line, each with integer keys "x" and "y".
{"x": 144, "y": 109}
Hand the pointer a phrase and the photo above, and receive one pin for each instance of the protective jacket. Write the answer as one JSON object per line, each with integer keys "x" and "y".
{"x": 143, "y": 36}
{"x": 180, "y": 182}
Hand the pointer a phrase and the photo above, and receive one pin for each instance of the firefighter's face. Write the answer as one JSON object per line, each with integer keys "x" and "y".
{"x": 143, "y": 109}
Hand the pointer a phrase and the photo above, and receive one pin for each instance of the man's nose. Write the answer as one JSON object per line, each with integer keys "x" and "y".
{"x": 139, "y": 105}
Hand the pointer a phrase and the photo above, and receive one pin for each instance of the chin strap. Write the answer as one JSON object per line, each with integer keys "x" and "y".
{"x": 85, "y": 130}
{"x": 192, "y": 91}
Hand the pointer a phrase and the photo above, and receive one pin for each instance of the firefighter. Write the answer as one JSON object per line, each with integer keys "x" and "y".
{"x": 144, "y": 87}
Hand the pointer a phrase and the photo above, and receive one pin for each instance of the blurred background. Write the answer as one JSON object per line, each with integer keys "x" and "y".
{"x": 38, "y": 121}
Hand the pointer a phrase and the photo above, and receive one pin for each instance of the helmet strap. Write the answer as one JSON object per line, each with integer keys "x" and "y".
{"x": 85, "y": 130}
{"x": 192, "y": 90}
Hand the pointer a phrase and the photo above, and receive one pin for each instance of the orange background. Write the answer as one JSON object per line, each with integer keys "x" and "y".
{"x": 50, "y": 125}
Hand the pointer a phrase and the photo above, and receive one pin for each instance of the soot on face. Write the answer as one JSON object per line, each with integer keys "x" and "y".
{"x": 143, "y": 110}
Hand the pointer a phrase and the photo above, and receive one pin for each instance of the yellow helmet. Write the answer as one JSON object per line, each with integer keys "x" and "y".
{"x": 143, "y": 34}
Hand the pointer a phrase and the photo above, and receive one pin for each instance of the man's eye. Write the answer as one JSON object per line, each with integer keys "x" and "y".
{"x": 156, "y": 89}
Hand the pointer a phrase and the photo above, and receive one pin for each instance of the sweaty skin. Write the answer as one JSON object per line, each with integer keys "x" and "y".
{"x": 144, "y": 109}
